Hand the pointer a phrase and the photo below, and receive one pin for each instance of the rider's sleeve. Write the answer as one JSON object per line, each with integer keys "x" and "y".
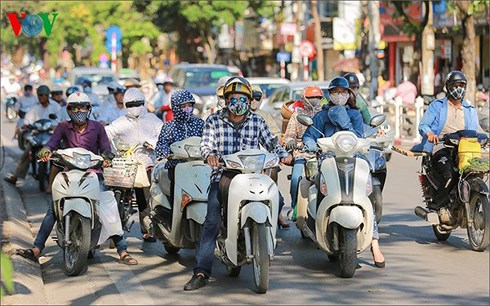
{"x": 357, "y": 122}
{"x": 311, "y": 135}
{"x": 292, "y": 129}
{"x": 157, "y": 127}
{"x": 208, "y": 141}
{"x": 269, "y": 140}
{"x": 104, "y": 144}
{"x": 54, "y": 140}
{"x": 428, "y": 118}
{"x": 162, "y": 148}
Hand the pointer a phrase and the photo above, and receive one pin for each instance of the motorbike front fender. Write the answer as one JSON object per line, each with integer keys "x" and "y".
{"x": 78, "y": 205}
{"x": 257, "y": 211}
{"x": 197, "y": 211}
{"x": 346, "y": 216}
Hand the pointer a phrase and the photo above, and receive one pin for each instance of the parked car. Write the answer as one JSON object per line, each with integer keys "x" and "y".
{"x": 268, "y": 85}
{"x": 201, "y": 79}
{"x": 100, "y": 77}
{"x": 126, "y": 74}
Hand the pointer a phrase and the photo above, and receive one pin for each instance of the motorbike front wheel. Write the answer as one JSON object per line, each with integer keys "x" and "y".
{"x": 76, "y": 253}
{"x": 261, "y": 259}
{"x": 348, "y": 252}
{"x": 479, "y": 230}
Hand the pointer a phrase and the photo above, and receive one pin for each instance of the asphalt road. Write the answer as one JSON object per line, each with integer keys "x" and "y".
{"x": 419, "y": 269}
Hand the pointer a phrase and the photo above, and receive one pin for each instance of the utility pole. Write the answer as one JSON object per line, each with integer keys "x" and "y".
{"x": 318, "y": 40}
{"x": 374, "y": 37}
{"x": 428, "y": 46}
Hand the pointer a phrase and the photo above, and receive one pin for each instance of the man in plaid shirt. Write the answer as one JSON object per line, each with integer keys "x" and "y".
{"x": 228, "y": 131}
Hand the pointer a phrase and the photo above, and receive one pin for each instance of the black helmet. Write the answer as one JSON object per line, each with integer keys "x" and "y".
{"x": 339, "y": 82}
{"x": 43, "y": 90}
{"x": 71, "y": 90}
{"x": 352, "y": 79}
{"x": 455, "y": 76}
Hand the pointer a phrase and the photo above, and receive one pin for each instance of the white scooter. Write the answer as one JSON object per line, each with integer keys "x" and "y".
{"x": 334, "y": 209}
{"x": 248, "y": 232}
{"x": 76, "y": 196}
{"x": 179, "y": 224}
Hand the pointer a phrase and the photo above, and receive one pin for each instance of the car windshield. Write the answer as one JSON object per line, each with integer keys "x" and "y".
{"x": 95, "y": 78}
{"x": 195, "y": 78}
{"x": 268, "y": 89}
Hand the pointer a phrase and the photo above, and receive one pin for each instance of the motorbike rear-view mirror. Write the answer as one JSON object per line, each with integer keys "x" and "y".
{"x": 53, "y": 116}
{"x": 377, "y": 120}
{"x": 304, "y": 120}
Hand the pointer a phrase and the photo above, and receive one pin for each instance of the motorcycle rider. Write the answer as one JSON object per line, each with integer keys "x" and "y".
{"x": 443, "y": 116}
{"x": 42, "y": 110}
{"x": 227, "y": 131}
{"x": 24, "y": 104}
{"x": 135, "y": 127}
{"x": 311, "y": 98}
{"x": 361, "y": 104}
{"x": 94, "y": 98}
{"x": 184, "y": 125}
{"x": 62, "y": 114}
{"x": 116, "y": 109}
{"x": 79, "y": 132}
{"x": 160, "y": 103}
{"x": 219, "y": 91}
{"x": 341, "y": 114}
{"x": 57, "y": 95}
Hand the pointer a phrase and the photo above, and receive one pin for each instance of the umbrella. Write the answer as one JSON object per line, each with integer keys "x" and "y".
{"x": 347, "y": 65}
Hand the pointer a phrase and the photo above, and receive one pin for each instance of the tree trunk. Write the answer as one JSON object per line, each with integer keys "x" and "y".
{"x": 318, "y": 40}
{"x": 374, "y": 36}
{"x": 468, "y": 56}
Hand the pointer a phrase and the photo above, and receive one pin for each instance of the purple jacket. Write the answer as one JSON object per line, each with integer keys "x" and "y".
{"x": 93, "y": 138}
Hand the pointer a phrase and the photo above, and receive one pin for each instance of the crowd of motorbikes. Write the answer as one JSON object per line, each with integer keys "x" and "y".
{"x": 341, "y": 185}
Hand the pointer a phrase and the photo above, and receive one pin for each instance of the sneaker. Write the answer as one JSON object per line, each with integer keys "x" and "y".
{"x": 10, "y": 179}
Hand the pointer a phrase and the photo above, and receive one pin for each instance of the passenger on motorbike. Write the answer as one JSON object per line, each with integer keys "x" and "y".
{"x": 138, "y": 126}
{"x": 228, "y": 131}
{"x": 341, "y": 114}
{"x": 184, "y": 125}
{"x": 116, "y": 109}
{"x": 42, "y": 110}
{"x": 220, "y": 85}
{"x": 84, "y": 133}
{"x": 360, "y": 103}
{"x": 159, "y": 103}
{"x": 57, "y": 95}
{"x": 443, "y": 116}
{"x": 311, "y": 98}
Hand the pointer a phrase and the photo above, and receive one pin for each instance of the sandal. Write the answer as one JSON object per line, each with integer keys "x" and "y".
{"x": 27, "y": 253}
{"x": 128, "y": 260}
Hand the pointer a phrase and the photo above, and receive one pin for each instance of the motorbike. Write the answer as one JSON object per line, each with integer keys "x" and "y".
{"x": 76, "y": 194}
{"x": 36, "y": 136}
{"x": 334, "y": 208}
{"x": 249, "y": 218}
{"x": 178, "y": 225}
{"x": 467, "y": 204}
{"x": 10, "y": 111}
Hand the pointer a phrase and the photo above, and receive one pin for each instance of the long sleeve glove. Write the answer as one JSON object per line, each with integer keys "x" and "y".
{"x": 290, "y": 145}
{"x": 44, "y": 152}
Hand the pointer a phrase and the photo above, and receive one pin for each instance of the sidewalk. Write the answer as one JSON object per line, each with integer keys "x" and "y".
{"x": 17, "y": 233}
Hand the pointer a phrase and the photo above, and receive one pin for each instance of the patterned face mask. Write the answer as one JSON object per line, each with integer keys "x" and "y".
{"x": 339, "y": 98}
{"x": 78, "y": 117}
{"x": 457, "y": 92}
{"x": 238, "y": 106}
{"x": 313, "y": 101}
{"x": 188, "y": 110}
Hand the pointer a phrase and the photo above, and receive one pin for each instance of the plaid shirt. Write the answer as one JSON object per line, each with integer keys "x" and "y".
{"x": 221, "y": 137}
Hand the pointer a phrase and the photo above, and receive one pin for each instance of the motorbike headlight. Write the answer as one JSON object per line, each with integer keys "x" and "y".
{"x": 233, "y": 164}
{"x": 346, "y": 143}
{"x": 272, "y": 163}
{"x": 81, "y": 161}
{"x": 253, "y": 163}
{"x": 323, "y": 185}
{"x": 193, "y": 151}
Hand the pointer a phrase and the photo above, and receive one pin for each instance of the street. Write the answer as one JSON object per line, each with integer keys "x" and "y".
{"x": 419, "y": 269}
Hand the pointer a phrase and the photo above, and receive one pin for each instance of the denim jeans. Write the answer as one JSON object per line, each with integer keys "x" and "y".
{"x": 48, "y": 224}
{"x": 296, "y": 175}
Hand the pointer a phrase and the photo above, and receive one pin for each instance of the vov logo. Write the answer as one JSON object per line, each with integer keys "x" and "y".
{"x": 32, "y": 24}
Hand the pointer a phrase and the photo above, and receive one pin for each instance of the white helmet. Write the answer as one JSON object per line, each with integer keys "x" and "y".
{"x": 79, "y": 98}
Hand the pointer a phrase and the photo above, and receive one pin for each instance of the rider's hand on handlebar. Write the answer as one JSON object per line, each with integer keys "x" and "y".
{"x": 44, "y": 154}
{"x": 148, "y": 146}
{"x": 106, "y": 163}
{"x": 433, "y": 138}
{"x": 287, "y": 160}
{"x": 213, "y": 160}
{"x": 290, "y": 145}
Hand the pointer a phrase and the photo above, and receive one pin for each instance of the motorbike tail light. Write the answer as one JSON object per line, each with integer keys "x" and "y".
{"x": 186, "y": 199}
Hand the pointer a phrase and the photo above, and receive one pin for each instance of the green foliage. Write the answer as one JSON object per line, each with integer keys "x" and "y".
{"x": 7, "y": 272}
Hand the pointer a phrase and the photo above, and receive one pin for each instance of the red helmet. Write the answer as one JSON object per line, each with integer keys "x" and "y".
{"x": 312, "y": 91}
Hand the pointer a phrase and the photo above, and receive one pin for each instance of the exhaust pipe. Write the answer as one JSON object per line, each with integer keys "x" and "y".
{"x": 431, "y": 217}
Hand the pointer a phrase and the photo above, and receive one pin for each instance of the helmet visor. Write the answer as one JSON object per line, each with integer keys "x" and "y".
{"x": 135, "y": 103}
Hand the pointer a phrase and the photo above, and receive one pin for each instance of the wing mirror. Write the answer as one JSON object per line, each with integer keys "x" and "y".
{"x": 304, "y": 120}
{"x": 377, "y": 120}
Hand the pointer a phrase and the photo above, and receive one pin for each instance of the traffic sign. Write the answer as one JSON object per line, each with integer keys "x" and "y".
{"x": 306, "y": 48}
{"x": 108, "y": 41}
{"x": 283, "y": 57}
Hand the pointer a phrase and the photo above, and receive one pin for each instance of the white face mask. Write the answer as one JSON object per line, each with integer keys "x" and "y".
{"x": 339, "y": 98}
{"x": 135, "y": 112}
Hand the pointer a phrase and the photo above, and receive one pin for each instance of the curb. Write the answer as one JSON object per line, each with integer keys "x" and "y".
{"x": 29, "y": 285}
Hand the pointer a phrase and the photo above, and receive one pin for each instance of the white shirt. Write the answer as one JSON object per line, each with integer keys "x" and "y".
{"x": 135, "y": 131}
{"x": 111, "y": 112}
{"x": 38, "y": 112}
{"x": 25, "y": 103}
{"x": 11, "y": 89}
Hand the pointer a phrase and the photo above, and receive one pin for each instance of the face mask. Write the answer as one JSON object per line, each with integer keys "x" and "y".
{"x": 135, "y": 112}
{"x": 238, "y": 107}
{"x": 87, "y": 89}
{"x": 314, "y": 102}
{"x": 188, "y": 110}
{"x": 78, "y": 117}
{"x": 160, "y": 87}
{"x": 457, "y": 93}
{"x": 339, "y": 98}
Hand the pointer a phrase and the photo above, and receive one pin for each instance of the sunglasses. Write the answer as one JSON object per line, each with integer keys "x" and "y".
{"x": 236, "y": 99}
{"x": 135, "y": 103}
{"x": 77, "y": 107}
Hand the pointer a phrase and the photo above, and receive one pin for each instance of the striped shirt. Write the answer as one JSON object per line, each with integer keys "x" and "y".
{"x": 223, "y": 137}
